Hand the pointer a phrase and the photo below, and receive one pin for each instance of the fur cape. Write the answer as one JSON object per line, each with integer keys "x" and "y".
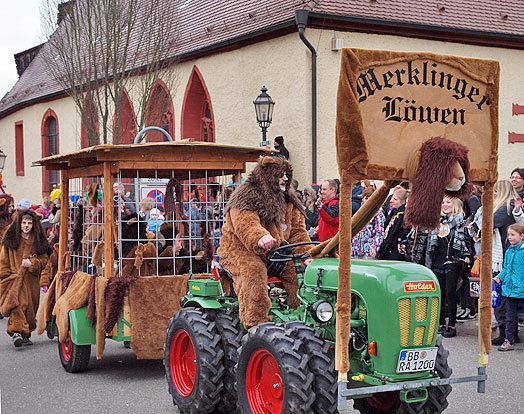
{"x": 5, "y": 217}
{"x": 261, "y": 193}
{"x": 14, "y": 233}
{"x": 433, "y": 173}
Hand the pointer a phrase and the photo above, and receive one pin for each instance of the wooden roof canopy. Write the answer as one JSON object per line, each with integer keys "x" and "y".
{"x": 157, "y": 159}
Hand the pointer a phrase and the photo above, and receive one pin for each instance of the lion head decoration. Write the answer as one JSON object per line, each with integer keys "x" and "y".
{"x": 439, "y": 167}
{"x": 262, "y": 193}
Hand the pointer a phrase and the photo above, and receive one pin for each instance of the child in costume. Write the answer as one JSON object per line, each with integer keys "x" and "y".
{"x": 22, "y": 258}
{"x": 512, "y": 278}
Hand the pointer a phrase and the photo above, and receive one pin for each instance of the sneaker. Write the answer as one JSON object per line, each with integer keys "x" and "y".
{"x": 17, "y": 339}
{"x": 461, "y": 312}
{"x": 506, "y": 346}
{"x": 471, "y": 316}
{"x": 26, "y": 342}
{"x": 463, "y": 315}
{"x": 1, "y": 316}
{"x": 441, "y": 329}
{"x": 450, "y": 332}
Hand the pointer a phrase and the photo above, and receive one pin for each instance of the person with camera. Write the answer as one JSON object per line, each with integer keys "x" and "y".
{"x": 449, "y": 250}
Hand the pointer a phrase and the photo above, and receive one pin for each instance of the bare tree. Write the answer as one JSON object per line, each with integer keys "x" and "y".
{"x": 96, "y": 49}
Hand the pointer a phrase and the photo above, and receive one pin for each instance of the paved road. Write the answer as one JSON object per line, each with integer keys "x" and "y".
{"x": 33, "y": 381}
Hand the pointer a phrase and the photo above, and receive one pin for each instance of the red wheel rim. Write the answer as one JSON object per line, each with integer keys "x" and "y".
{"x": 182, "y": 363}
{"x": 67, "y": 346}
{"x": 264, "y": 386}
{"x": 383, "y": 400}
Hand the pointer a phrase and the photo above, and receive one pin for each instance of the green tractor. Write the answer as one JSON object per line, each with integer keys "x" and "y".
{"x": 398, "y": 363}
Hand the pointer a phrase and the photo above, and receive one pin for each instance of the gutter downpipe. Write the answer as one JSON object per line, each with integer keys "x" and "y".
{"x": 301, "y": 17}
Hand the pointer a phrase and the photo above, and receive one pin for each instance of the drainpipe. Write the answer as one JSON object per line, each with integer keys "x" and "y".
{"x": 301, "y": 16}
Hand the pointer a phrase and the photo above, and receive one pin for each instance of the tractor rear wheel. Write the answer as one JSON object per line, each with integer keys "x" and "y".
{"x": 272, "y": 373}
{"x": 321, "y": 364}
{"x": 193, "y": 361}
{"x": 389, "y": 402}
{"x": 231, "y": 334}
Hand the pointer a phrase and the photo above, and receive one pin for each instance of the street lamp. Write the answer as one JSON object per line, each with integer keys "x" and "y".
{"x": 2, "y": 160}
{"x": 264, "y": 110}
{"x": 2, "y": 163}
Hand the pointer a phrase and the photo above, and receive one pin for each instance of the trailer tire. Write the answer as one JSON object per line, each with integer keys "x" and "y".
{"x": 231, "y": 334}
{"x": 73, "y": 357}
{"x": 389, "y": 402}
{"x": 321, "y": 364}
{"x": 272, "y": 371}
{"x": 193, "y": 361}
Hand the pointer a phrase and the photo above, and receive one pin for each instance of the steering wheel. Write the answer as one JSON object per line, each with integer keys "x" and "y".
{"x": 284, "y": 253}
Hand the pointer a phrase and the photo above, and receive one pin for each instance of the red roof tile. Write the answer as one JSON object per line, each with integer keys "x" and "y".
{"x": 204, "y": 24}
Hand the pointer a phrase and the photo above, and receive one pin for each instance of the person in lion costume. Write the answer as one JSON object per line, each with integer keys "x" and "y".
{"x": 261, "y": 214}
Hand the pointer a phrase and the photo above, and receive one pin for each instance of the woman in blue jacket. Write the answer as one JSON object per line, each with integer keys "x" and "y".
{"x": 512, "y": 278}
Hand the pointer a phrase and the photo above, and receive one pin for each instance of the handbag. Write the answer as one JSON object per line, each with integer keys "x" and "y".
{"x": 496, "y": 293}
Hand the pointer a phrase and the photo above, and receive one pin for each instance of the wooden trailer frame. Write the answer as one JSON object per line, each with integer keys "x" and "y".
{"x": 163, "y": 158}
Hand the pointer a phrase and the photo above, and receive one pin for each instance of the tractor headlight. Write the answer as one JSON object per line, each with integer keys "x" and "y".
{"x": 322, "y": 311}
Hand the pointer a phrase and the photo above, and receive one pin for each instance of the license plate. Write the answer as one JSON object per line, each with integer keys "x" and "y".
{"x": 415, "y": 360}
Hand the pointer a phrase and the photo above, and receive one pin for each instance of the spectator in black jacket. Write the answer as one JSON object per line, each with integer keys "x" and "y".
{"x": 280, "y": 147}
{"x": 396, "y": 230}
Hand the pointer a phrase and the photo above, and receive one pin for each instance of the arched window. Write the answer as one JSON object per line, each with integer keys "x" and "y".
{"x": 49, "y": 132}
{"x": 90, "y": 129}
{"x": 197, "y": 111}
{"x": 160, "y": 113}
{"x": 127, "y": 128}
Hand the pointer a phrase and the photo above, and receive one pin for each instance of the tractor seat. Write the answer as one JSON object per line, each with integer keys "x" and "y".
{"x": 275, "y": 281}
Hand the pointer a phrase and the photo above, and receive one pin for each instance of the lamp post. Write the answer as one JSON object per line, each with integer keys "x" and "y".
{"x": 264, "y": 110}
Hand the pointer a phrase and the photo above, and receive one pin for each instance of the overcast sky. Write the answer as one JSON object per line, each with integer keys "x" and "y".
{"x": 20, "y": 30}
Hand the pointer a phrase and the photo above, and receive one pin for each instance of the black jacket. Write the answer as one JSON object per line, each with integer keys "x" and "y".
{"x": 397, "y": 233}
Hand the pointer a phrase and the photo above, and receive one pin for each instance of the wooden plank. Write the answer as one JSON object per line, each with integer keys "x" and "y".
{"x": 181, "y": 165}
{"x": 193, "y": 154}
{"x": 92, "y": 171}
{"x": 64, "y": 208}
{"x": 82, "y": 162}
{"x": 108, "y": 221}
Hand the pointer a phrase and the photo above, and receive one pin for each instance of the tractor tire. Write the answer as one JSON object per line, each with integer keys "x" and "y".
{"x": 231, "y": 334}
{"x": 272, "y": 373}
{"x": 73, "y": 357}
{"x": 193, "y": 361}
{"x": 389, "y": 402}
{"x": 321, "y": 364}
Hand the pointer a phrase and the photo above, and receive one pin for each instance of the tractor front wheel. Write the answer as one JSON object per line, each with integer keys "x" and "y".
{"x": 272, "y": 373}
{"x": 193, "y": 361}
{"x": 389, "y": 402}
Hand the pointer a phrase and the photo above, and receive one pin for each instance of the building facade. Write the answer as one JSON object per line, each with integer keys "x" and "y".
{"x": 219, "y": 74}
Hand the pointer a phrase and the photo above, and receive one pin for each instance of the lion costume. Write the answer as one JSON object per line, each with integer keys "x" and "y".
{"x": 258, "y": 208}
{"x": 20, "y": 286}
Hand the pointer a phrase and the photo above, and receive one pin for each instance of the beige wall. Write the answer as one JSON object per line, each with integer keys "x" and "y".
{"x": 283, "y": 65}
{"x": 30, "y": 185}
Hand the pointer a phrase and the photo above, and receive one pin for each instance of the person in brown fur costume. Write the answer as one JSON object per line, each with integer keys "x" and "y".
{"x": 7, "y": 206}
{"x": 261, "y": 214}
{"x": 22, "y": 258}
